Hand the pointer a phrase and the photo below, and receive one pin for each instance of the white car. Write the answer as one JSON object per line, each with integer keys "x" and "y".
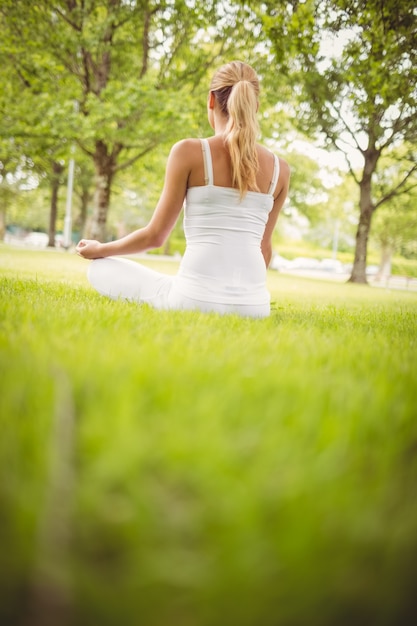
{"x": 39, "y": 240}
{"x": 331, "y": 265}
{"x": 279, "y": 263}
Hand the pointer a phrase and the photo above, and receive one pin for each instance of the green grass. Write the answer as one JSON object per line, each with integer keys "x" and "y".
{"x": 162, "y": 468}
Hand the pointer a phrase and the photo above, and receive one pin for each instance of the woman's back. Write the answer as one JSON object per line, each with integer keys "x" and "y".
{"x": 223, "y": 261}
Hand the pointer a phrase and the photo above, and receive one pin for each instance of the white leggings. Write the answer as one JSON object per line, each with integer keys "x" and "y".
{"x": 128, "y": 280}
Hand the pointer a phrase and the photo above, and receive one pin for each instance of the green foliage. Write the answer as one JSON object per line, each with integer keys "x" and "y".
{"x": 404, "y": 267}
{"x": 133, "y": 69}
{"x": 199, "y": 469}
{"x": 138, "y": 73}
{"x": 349, "y": 58}
{"x": 353, "y": 69}
{"x": 395, "y": 223}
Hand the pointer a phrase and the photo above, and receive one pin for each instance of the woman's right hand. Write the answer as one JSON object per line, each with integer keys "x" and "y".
{"x": 89, "y": 249}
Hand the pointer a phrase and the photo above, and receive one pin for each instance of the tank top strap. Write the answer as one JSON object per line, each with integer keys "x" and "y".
{"x": 208, "y": 164}
{"x": 275, "y": 176}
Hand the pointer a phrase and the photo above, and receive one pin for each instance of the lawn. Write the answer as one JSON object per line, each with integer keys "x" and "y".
{"x": 175, "y": 468}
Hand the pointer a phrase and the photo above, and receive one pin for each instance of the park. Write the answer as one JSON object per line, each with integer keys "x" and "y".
{"x": 188, "y": 468}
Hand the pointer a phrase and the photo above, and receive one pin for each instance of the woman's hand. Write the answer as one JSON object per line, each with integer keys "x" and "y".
{"x": 89, "y": 249}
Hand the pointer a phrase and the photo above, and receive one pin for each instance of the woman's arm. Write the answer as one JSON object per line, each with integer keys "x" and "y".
{"x": 283, "y": 185}
{"x": 165, "y": 215}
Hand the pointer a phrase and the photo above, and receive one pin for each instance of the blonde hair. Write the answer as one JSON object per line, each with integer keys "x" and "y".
{"x": 236, "y": 89}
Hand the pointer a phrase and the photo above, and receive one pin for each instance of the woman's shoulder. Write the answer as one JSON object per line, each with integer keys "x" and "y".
{"x": 284, "y": 167}
{"x": 186, "y": 145}
{"x": 267, "y": 154}
{"x": 186, "y": 151}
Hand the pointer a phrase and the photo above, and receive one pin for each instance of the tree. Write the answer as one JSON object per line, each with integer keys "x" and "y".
{"x": 395, "y": 224}
{"x": 353, "y": 65}
{"x": 9, "y": 171}
{"x": 25, "y": 101}
{"x": 130, "y": 67}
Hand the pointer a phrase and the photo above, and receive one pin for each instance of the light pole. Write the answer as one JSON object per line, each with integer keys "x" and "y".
{"x": 68, "y": 212}
{"x": 70, "y": 185}
{"x": 335, "y": 238}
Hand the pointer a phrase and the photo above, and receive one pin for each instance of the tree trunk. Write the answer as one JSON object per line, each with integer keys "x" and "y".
{"x": 366, "y": 207}
{"x": 81, "y": 220}
{"x": 104, "y": 164}
{"x": 384, "y": 270}
{"x": 2, "y": 223}
{"x": 57, "y": 169}
{"x": 4, "y": 201}
{"x": 362, "y": 234}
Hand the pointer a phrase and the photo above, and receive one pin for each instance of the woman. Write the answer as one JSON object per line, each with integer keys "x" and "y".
{"x": 233, "y": 189}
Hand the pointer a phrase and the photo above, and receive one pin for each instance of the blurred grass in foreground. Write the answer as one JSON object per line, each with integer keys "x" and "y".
{"x": 178, "y": 468}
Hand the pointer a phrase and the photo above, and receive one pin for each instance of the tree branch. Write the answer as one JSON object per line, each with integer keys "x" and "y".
{"x": 26, "y": 83}
{"x": 399, "y": 124}
{"x": 350, "y": 167}
{"x": 145, "y": 42}
{"x": 66, "y": 19}
{"x": 84, "y": 149}
{"x": 132, "y": 160}
{"x": 396, "y": 191}
{"x": 346, "y": 127}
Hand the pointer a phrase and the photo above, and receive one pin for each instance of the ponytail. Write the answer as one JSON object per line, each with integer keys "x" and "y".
{"x": 240, "y": 136}
{"x": 236, "y": 88}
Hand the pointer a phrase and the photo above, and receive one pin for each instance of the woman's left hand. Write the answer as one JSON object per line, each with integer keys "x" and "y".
{"x": 89, "y": 249}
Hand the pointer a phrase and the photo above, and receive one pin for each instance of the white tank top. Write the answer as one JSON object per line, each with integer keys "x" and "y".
{"x": 223, "y": 262}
